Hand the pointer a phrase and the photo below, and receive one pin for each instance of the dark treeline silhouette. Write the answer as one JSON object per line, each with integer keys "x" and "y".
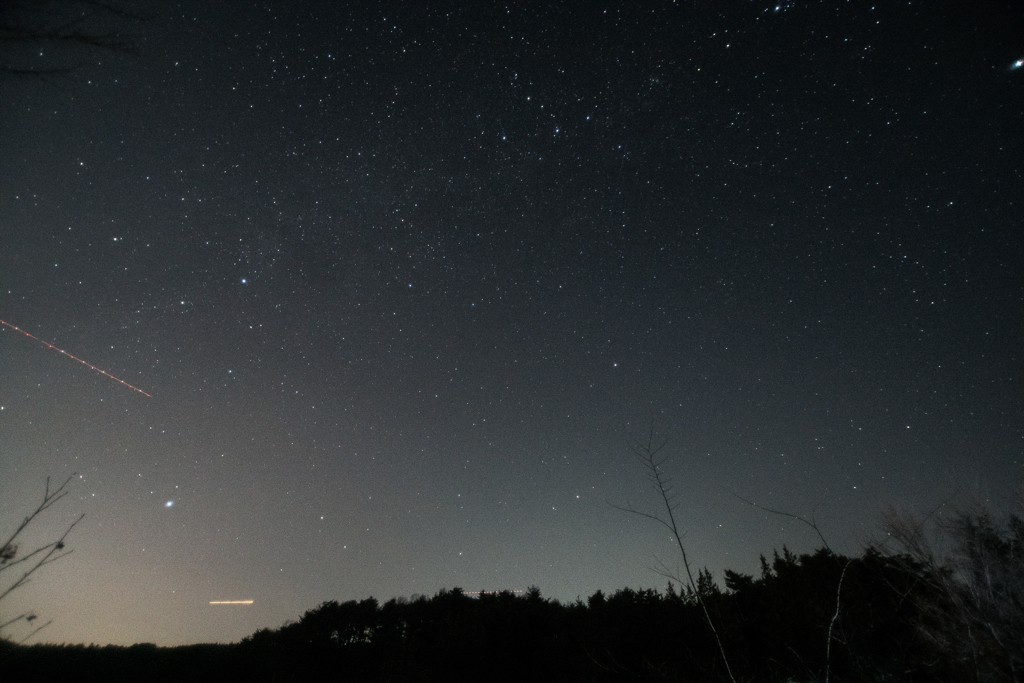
{"x": 901, "y": 615}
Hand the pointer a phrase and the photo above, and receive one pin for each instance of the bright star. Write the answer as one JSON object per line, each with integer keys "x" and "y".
{"x": 169, "y": 503}
{"x": 1016, "y": 65}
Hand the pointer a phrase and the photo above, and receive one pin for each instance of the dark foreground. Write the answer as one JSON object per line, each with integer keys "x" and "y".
{"x": 809, "y": 618}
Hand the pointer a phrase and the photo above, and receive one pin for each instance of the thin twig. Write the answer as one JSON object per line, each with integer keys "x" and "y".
{"x": 31, "y": 562}
{"x": 811, "y": 523}
{"x": 47, "y": 558}
{"x": 814, "y": 525}
{"x": 23, "y": 615}
{"x": 37, "y": 631}
{"x": 828, "y": 646}
{"x": 49, "y": 499}
{"x": 648, "y": 455}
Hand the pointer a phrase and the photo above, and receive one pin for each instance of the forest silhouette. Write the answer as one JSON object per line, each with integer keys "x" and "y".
{"x": 815, "y": 617}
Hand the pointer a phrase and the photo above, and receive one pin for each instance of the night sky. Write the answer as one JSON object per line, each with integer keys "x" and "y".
{"x": 403, "y": 279}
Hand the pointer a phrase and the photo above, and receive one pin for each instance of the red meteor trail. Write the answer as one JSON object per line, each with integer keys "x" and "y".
{"x": 88, "y": 365}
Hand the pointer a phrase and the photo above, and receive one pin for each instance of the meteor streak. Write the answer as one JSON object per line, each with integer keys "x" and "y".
{"x": 88, "y": 365}
{"x": 231, "y": 602}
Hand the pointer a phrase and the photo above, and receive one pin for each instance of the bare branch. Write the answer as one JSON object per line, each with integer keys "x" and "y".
{"x": 648, "y": 455}
{"x": 49, "y": 499}
{"x": 814, "y": 525}
{"x": 47, "y": 558}
{"x": 832, "y": 623}
{"x": 811, "y": 523}
{"x": 23, "y": 640}
{"x": 31, "y": 562}
{"x": 633, "y": 511}
{"x": 27, "y": 616}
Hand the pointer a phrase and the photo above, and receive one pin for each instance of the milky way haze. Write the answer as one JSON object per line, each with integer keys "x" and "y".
{"x": 403, "y": 279}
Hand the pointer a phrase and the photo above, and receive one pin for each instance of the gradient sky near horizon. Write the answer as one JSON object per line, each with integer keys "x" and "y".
{"x": 403, "y": 279}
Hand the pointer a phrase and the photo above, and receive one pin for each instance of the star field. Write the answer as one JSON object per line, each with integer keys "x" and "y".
{"x": 402, "y": 280}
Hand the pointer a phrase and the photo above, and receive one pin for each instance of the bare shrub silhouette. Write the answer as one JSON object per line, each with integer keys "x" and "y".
{"x": 652, "y": 458}
{"x": 27, "y": 564}
{"x": 974, "y": 565}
